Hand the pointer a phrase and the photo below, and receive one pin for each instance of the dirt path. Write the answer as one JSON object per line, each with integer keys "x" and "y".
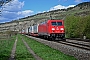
{"x": 12, "y": 56}
{"x": 31, "y": 51}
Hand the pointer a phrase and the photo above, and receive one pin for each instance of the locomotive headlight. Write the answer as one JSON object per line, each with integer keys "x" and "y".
{"x": 61, "y": 28}
{"x": 53, "y": 28}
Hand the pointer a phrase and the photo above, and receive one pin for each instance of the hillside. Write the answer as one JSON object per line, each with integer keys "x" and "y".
{"x": 81, "y": 9}
{"x": 73, "y": 17}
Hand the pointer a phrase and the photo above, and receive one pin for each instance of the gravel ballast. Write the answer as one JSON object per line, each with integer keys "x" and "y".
{"x": 80, "y": 54}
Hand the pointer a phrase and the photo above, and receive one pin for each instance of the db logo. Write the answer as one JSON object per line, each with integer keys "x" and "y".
{"x": 57, "y": 28}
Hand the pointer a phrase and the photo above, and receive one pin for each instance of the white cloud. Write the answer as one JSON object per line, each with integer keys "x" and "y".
{"x": 70, "y": 6}
{"x": 78, "y": 1}
{"x": 57, "y": 7}
{"x": 25, "y": 13}
{"x": 61, "y": 7}
{"x": 62, "y": 0}
{"x": 13, "y": 10}
{"x": 41, "y": 12}
{"x": 2, "y": 18}
{"x": 13, "y": 6}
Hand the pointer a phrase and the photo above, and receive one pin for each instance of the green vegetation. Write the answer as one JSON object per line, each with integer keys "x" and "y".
{"x": 45, "y": 52}
{"x": 21, "y": 51}
{"x": 77, "y": 26}
{"x": 6, "y": 47}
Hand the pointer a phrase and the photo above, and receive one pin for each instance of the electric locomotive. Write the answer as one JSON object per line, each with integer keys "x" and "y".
{"x": 52, "y": 29}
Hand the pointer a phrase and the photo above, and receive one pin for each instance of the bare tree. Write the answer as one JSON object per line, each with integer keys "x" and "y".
{"x": 2, "y": 3}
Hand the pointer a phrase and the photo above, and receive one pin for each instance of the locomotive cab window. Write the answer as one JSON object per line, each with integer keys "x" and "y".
{"x": 56, "y": 23}
{"x": 59, "y": 23}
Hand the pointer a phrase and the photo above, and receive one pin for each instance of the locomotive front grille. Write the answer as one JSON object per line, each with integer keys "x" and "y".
{"x": 58, "y": 35}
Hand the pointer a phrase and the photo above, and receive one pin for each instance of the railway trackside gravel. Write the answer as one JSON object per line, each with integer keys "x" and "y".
{"x": 70, "y": 50}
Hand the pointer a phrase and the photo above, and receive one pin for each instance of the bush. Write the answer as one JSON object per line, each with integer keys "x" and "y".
{"x": 77, "y": 27}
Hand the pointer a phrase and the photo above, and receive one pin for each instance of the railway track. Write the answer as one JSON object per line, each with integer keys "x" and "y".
{"x": 79, "y": 43}
{"x": 78, "y": 39}
{"x": 75, "y": 44}
{"x": 82, "y": 44}
{"x": 78, "y": 49}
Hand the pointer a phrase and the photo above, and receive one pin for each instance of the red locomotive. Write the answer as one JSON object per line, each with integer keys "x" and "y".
{"x": 52, "y": 29}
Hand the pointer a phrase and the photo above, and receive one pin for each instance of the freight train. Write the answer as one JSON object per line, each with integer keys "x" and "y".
{"x": 50, "y": 29}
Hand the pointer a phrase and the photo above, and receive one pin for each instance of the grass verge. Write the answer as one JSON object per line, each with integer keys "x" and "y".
{"x": 6, "y": 47}
{"x": 21, "y": 51}
{"x": 45, "y": 52}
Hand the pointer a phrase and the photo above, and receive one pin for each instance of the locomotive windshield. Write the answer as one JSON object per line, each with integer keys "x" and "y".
{"x": 57, "y": 23}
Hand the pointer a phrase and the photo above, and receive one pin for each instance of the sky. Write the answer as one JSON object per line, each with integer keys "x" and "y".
{"x": 17, "y": 9}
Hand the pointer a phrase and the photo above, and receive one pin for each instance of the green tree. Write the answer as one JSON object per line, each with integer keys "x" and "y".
{"x": 71, "y": 25}
{"x": 77, "y": 27}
